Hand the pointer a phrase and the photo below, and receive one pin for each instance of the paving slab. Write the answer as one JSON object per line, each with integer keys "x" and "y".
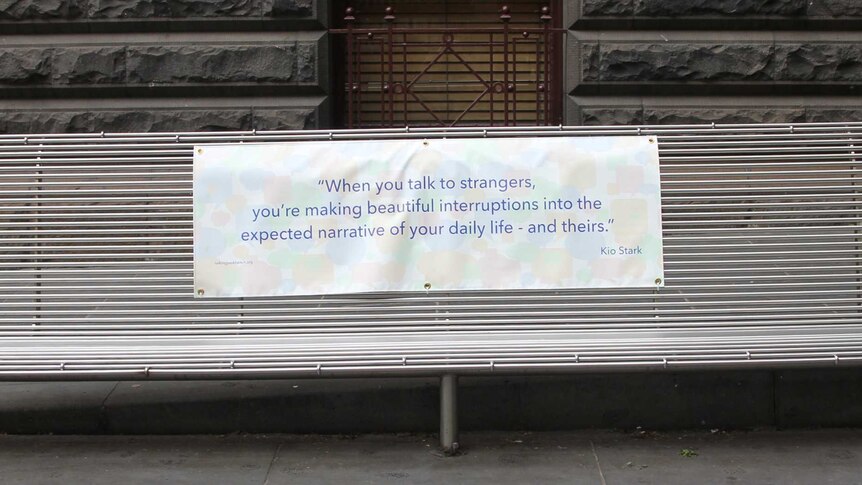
{"x": 273, "y": 406}
{"x": 494, "y": 458}
{"x": 762, "y": 457}
{"x": 111, "y": 460}
{"x": 55, "y": 407}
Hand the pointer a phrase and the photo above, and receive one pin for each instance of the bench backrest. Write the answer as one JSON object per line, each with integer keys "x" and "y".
{"x": 762, "y": 261}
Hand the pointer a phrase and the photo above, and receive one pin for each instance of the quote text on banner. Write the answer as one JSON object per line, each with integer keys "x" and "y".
{"x": 336, "y": 217}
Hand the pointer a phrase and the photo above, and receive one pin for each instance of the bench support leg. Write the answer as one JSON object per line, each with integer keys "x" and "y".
{"x": 449, "y": 413}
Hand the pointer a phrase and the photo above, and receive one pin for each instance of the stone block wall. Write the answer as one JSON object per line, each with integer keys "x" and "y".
{"x": 163, "y": 65}
{"x": 153, "y": 65}
{"x": 723, "y": 61}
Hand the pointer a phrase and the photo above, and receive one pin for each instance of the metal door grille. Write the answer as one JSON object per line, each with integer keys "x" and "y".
{"x": 762, "y": 249}
{"x": 486, "y": 74}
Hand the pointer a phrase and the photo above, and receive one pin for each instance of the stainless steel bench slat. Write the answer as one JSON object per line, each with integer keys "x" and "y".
{"x": 763, "y": 252}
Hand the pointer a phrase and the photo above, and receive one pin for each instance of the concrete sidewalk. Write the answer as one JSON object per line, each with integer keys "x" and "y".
{"x": 783, "y": 399}
{"x": 780, "y": 457}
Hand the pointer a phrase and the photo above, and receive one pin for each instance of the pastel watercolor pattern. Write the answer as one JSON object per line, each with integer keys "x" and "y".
{"x": 232, "y": 181}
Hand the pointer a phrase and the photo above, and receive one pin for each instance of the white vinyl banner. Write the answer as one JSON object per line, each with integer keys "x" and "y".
{"x": 335, "y": 217}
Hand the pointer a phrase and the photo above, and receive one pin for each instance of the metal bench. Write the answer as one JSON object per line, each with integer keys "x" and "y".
{"x": 762, "y": 260}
